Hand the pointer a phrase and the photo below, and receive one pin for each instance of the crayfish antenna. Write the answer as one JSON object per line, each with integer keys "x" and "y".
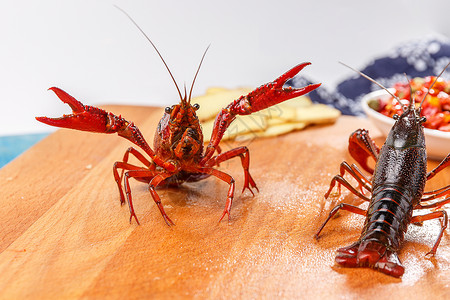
{"x": 411, "y": 98}
{"x": 372, "y": 80}
{"x": 184, "y": 100}
{"x": 157, "y": 51}
{"x": 196, "y": 73}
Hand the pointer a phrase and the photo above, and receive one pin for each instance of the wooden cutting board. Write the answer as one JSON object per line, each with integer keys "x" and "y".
{"x": 65, "y": 235}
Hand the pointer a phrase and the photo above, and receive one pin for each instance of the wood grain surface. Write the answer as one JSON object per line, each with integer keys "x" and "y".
{"x": 65, "y": 236}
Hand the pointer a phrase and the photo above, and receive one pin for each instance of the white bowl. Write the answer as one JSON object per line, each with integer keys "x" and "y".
{"x": 437, "y": 142}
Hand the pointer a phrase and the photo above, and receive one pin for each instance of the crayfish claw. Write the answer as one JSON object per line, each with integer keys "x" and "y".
{"x": 75, "y": 105}
{"x": 83, "y": 117}
{"x": 270, "y": 94}
{"x": 265, "y": 96}
{"x": 280, "y": 81}
{"x": 94, "y": 119}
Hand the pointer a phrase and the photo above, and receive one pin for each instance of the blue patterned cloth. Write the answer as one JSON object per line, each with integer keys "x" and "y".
{"x": 418, "y": 58}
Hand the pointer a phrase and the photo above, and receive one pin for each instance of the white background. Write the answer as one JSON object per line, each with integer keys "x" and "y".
{"x": 91, "y": 50}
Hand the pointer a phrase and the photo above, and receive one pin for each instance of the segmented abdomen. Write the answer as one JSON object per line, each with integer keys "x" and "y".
{"x": 388, "y": 216}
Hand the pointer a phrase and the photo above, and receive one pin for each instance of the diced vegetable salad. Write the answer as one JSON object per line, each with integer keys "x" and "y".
{"x": 436, "y": 107}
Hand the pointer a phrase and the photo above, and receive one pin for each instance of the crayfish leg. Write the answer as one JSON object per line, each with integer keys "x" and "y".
{"x": 155, "y": 179}
{"x": 228, "y": 179}
{"x": 443, "y": 164}
{"x": 159, "y": 178}
{"x": 430, "y": 216}
{"x": 343, "y": 206}
{"x": 342, "y": 181}
{"x": 244, "y": 154}
{"x": 124, "y": 166}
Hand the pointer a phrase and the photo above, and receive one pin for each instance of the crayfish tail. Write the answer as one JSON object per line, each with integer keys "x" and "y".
{"x": 371, "y": 254}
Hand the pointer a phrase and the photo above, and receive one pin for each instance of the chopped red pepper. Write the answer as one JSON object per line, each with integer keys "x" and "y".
{"x": 436, "y": 107}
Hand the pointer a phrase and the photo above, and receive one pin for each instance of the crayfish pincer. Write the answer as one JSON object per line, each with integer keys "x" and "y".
{"x": 397, "y": 188}
{"x": 178, "y": 154}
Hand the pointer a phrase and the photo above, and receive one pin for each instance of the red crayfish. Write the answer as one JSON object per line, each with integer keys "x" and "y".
{"x": 178, "y": 154}
{"x": 397, "y": 188}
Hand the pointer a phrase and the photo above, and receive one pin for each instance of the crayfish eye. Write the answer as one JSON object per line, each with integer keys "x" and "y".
{"x": 395, "y": 117}
{"x": 168, "y": 110}
{"x": 422, "y": 120}
{"x": 196, "y": 106}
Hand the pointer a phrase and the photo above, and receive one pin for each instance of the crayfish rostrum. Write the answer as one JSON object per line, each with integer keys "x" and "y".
{"x": 179, "y": 155}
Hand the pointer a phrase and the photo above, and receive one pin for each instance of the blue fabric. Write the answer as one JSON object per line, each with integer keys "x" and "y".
{"x": 418, "y": 58}
{"x": 13, "y": 146}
